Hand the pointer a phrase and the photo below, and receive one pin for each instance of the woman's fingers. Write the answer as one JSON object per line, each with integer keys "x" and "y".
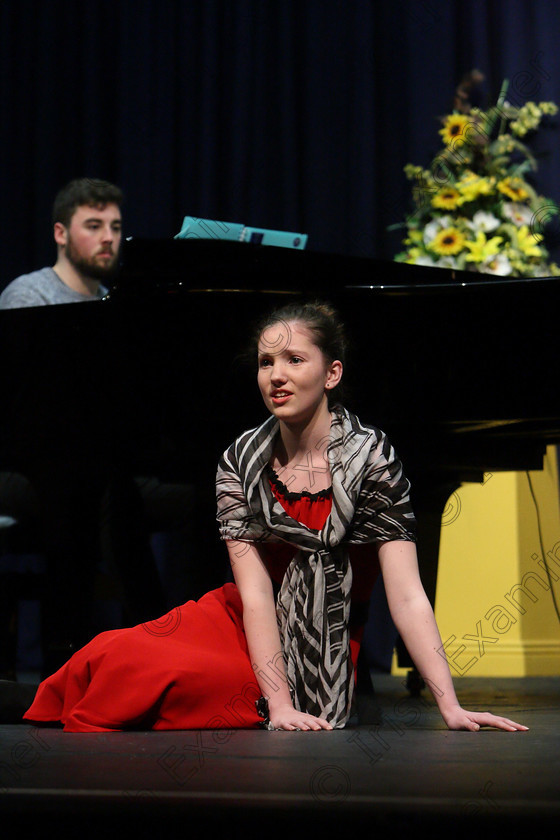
{"x": 304, "y": 723}
{"x": 488, "y": 719}
{"x": 462, "y": 719}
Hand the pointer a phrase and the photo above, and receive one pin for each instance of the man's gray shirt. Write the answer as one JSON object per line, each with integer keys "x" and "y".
{"x": 41, "y": 288}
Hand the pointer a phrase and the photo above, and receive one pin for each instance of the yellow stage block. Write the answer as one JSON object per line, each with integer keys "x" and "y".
{"x": 498, "y": 583}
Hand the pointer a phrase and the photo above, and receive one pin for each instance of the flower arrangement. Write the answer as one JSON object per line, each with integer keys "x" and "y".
{"x": 475, "y": 210}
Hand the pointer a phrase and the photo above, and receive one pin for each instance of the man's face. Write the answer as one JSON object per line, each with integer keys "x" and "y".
{"x": 92, "y": 240}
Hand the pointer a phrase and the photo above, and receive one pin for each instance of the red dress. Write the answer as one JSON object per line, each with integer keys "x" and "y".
{"x": 189, "y": 669}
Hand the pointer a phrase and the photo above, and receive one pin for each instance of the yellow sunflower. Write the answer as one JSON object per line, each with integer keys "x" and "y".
{"x": 446, "y": 199}
{"x": 453, "y": 130}
{"x": 514, "y": 188}
{"x": 448, "y": 241}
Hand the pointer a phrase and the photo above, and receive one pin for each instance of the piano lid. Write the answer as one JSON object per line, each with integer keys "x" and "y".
{"x": 154, "y": 266}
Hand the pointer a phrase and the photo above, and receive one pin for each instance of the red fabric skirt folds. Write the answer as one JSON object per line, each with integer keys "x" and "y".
{"x": 189, "y": 669}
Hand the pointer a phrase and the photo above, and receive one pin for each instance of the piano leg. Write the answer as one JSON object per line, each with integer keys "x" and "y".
{"x": 429, "y": 500}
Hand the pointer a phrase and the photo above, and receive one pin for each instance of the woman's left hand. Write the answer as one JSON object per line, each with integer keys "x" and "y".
{"x": 458, "y": 718}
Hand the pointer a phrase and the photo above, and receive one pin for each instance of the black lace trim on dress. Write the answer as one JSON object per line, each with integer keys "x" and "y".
{"x": 294, "y": 497}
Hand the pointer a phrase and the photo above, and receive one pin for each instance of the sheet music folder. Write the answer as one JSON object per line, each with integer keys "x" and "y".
{"x": 194, "y": 228}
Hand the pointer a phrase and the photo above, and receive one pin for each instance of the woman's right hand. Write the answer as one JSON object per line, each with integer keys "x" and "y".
{"x": 286, "y": 717}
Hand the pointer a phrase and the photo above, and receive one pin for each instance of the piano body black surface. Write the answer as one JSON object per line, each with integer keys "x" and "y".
{"x": 457, "y": 368}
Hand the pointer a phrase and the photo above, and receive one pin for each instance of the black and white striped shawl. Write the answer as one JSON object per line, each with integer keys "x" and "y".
{"x": 370, "y": 503}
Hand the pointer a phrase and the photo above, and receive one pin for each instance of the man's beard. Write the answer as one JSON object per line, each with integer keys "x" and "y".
{"x": 88, "y": 267}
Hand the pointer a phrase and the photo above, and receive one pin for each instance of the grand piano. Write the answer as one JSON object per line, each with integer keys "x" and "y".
{"x": 457, "y": 368}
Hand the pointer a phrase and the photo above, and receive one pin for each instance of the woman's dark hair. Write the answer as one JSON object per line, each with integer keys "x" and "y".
{"x": 324, "y": 325}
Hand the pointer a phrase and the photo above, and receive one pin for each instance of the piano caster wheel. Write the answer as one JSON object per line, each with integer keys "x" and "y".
{"x": 414, "y": 683}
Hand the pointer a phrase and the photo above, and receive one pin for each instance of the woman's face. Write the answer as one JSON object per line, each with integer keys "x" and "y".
{"x": 293, "y": 374}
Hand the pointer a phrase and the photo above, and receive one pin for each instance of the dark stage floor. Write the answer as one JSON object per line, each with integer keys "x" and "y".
{"x": 407, "y": 772}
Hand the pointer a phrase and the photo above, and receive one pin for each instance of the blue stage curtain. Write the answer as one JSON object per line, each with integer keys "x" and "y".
{"x": 294, "y": 115}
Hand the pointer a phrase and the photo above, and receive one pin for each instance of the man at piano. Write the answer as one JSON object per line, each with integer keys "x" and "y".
{"x": 87, "y": 229}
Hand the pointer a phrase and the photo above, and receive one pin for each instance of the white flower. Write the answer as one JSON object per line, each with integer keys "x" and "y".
{"x": 425, "y": 260}
{"x": 443, "y": 262}
{"x": 486, "y": 222}
{"x": 541, "y": 270}
{"x": 496, "y": 265}
{"x": 430, "y": 231}
{"x": 432, "y": 228}
{"x": 517, "y": 213}
{"x": 447, "y": 262}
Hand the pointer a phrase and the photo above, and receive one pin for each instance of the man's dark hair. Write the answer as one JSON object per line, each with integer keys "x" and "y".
{"x": 91, "y": 192}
